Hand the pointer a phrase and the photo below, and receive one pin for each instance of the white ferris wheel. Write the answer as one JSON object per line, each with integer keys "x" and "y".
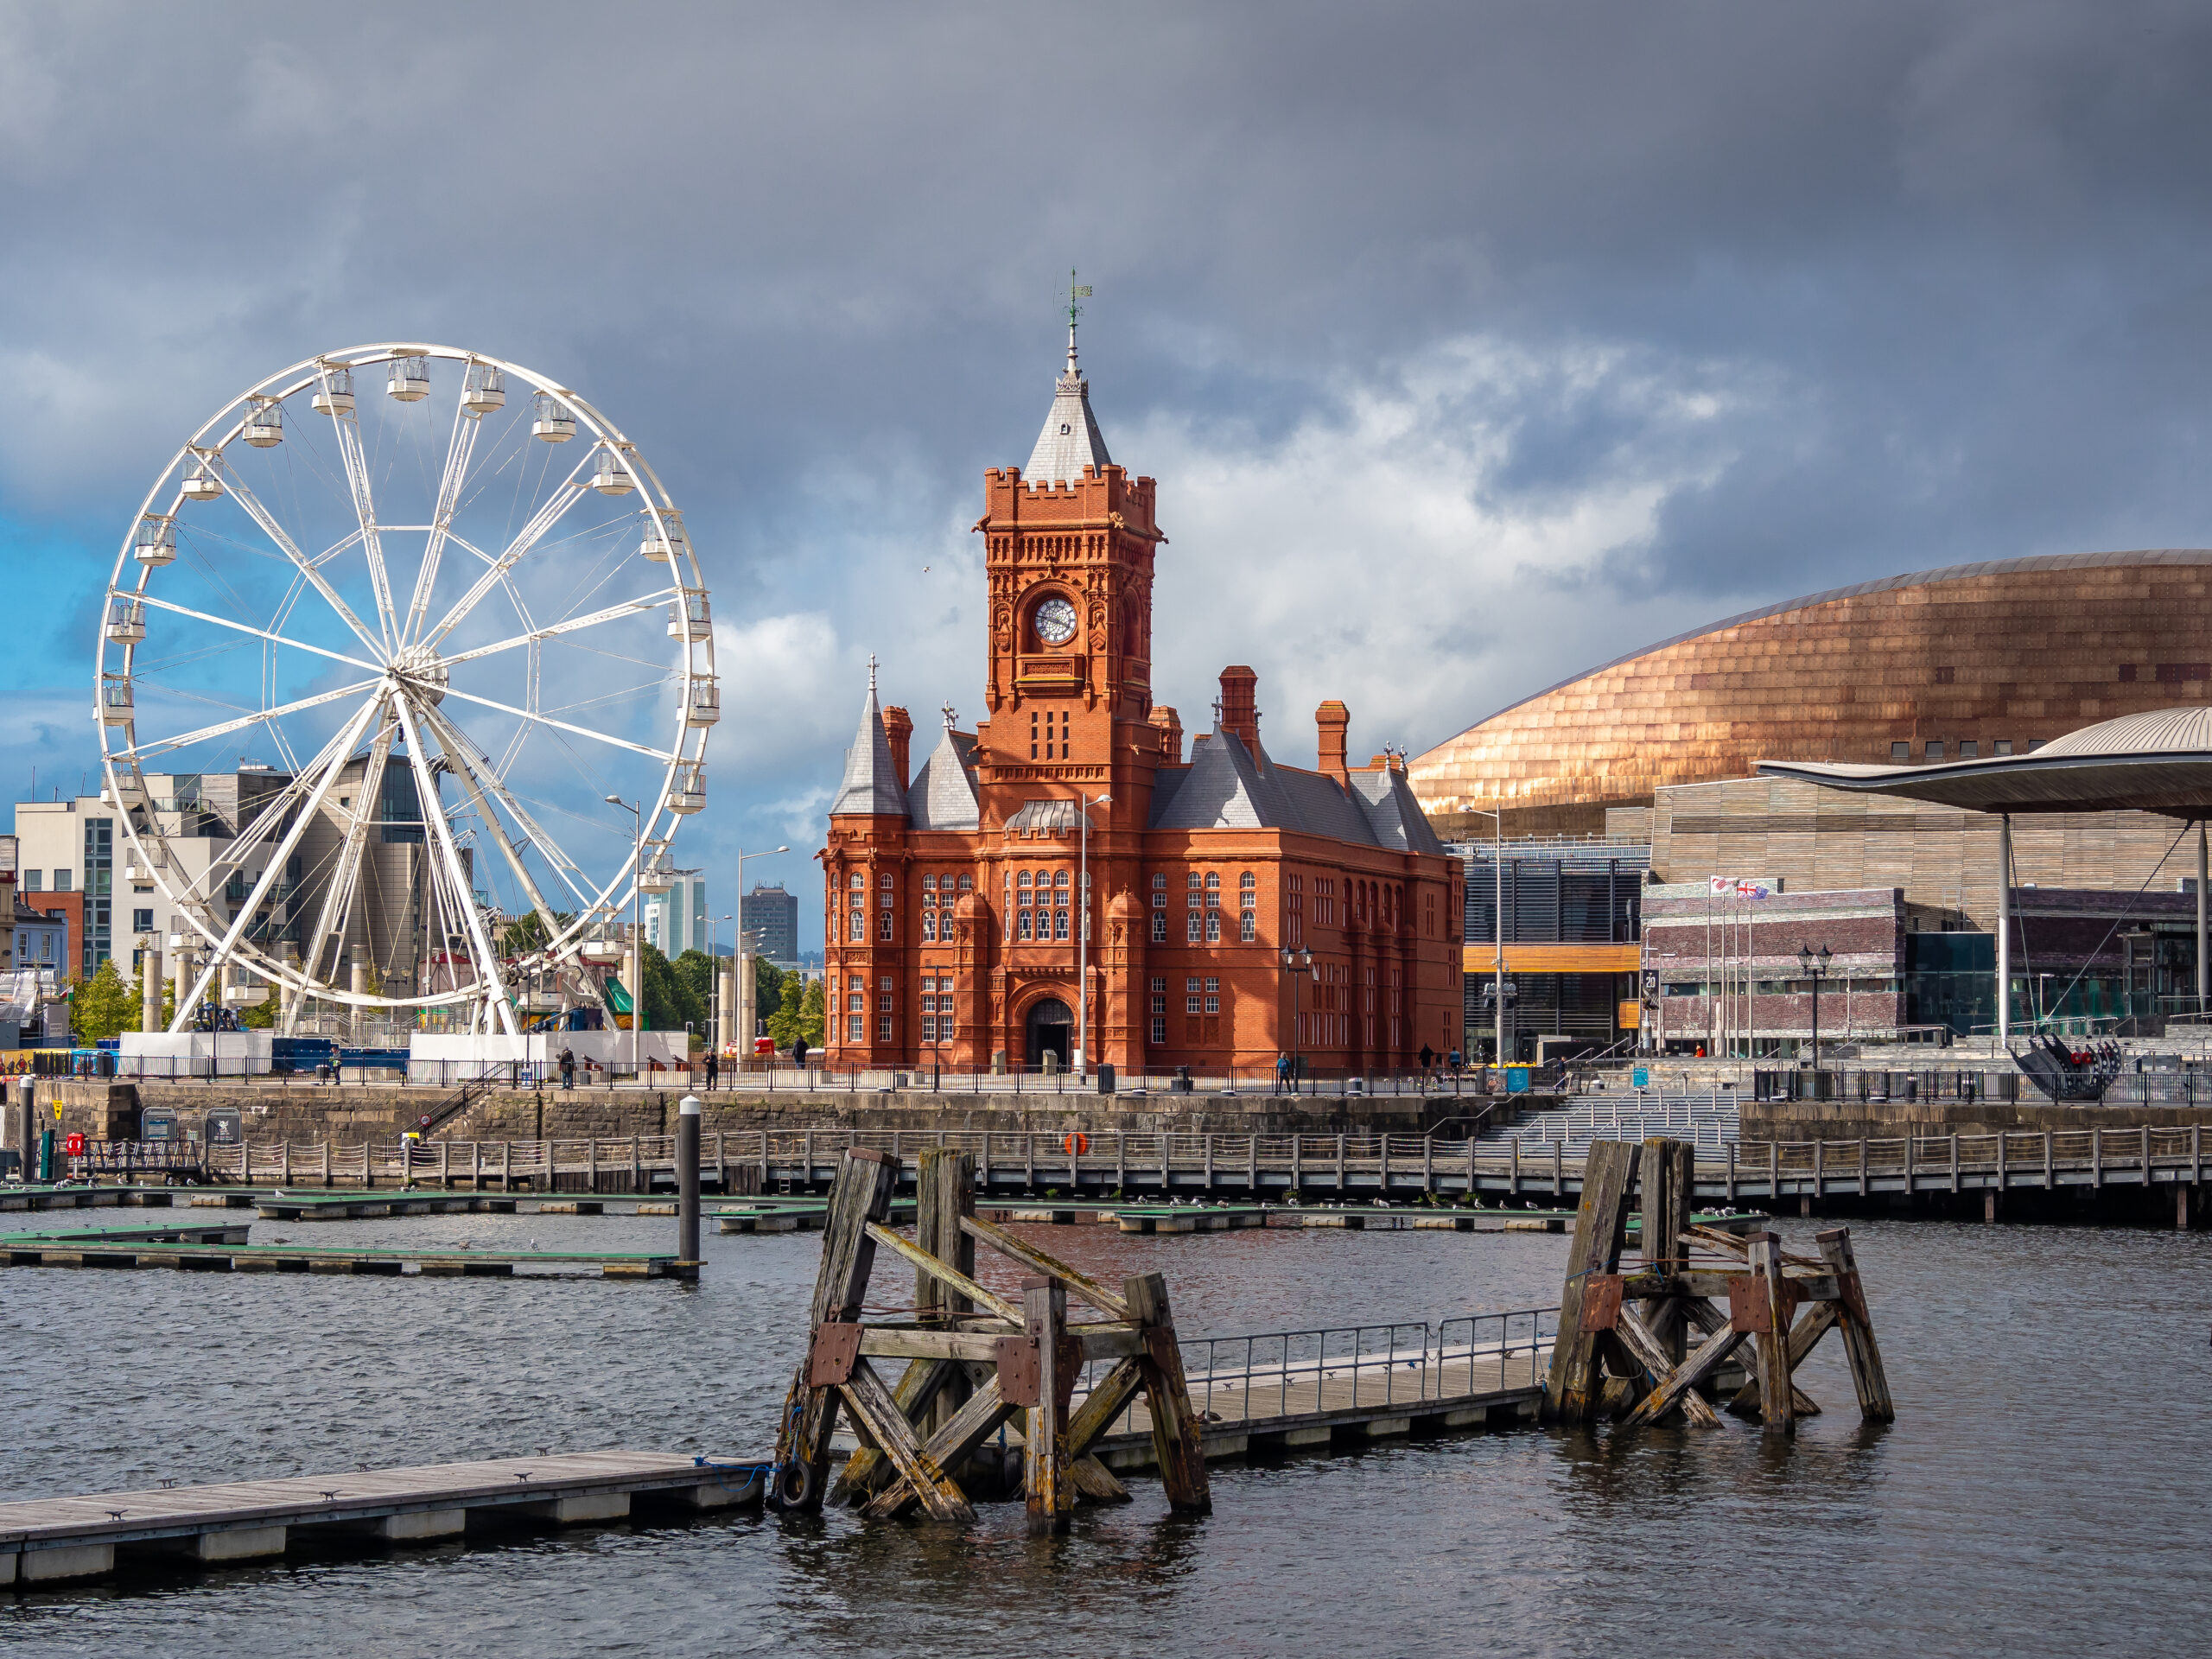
{"x": 429, "y": 626}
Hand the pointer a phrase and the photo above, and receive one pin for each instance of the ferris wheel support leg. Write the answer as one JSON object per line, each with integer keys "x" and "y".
{"x": 442, "y": 833}
{"x": 454, "y": 748}
{"x": 330, "y": 762}
{"x": 337, "y": 902}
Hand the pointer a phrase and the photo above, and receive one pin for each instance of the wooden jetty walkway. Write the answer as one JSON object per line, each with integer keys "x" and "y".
{"x": 224, "y": 1247}
{"x": 57, "y": 1538}
{"x": 1378, "y": 1168}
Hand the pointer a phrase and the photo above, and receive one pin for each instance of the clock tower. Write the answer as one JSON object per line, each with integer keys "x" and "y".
{"x": 1069, "y": 547}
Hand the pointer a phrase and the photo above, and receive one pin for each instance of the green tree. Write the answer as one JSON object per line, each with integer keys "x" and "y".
{"x": 104, "y": 1006}
{"x": 669, "y": 999}
{"x": 767, "y": 988}
{"x": 697, "y": 970}
{"x": 797, "y": 1014}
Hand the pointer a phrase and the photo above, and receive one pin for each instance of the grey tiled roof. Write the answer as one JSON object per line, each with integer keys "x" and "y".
{"x": 871, "y": 783}
{"x": 1228, "y": 786}
{"x": 1394, "y": 813}
{"x": 1070, "y": 440}
{"x": 944, "y": 794}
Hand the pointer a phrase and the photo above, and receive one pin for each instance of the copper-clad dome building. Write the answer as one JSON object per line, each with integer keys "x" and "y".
{"x": 1976, "y": 660}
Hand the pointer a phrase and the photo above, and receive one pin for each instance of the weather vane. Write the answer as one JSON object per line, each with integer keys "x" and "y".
{"x": 1076, "y": 291}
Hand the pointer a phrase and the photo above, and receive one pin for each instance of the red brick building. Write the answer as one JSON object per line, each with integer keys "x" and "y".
{"x": 954, "y": 915}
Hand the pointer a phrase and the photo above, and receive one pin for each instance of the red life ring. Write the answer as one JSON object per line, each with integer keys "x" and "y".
{"x": 1075, "y": 1145}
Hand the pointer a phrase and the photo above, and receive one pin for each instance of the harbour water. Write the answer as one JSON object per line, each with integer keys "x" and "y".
{"x": 2043, "y": 1489}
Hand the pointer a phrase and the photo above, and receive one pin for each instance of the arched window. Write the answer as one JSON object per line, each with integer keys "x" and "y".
{"x": 929, "y": 884}
{"x": 1023, "y": 880}
{"x": 860, "y": 882}
{"x": 1159, "y": 882}
{"x": 1213, "y": 881}
{"x": 1060, "y": 880}
{"x": 1248, "y": 899}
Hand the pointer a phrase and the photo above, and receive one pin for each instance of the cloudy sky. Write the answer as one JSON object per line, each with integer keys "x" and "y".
{"x": 1471, "y": 344}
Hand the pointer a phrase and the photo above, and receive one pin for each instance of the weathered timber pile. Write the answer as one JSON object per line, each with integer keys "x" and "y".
{"x": 972, "y": 1361}
{"x": 1623, "y": 1346}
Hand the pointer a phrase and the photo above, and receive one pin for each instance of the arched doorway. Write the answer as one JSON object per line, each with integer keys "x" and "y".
{"x": 1051, "y": 1030}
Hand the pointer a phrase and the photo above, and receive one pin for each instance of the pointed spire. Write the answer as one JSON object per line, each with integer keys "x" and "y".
{"x": 1070, "y": 440}
{"x": 870, "y": 782}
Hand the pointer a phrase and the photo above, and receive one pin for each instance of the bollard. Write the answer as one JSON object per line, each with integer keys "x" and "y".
{"x": 687, "y": 1179}
{"x": 26, "y": 1128}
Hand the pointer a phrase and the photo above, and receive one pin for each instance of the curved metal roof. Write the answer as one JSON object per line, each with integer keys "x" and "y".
{"x": 2159, "y": 761}
{"x": 1886, "y": 584}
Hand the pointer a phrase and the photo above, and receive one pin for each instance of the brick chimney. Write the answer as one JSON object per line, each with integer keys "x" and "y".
{"x": 1170, "y": 727}
{"x": 1239, "y": 706}
{"x": 1333, "y": 719}
{"x": 899, "y": 726}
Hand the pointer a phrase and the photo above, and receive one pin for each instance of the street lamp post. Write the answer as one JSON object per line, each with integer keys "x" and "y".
{"x": 1084, "y": 803}
{"x": 1814, "y": 968}
{"x": 1497, "y": 927}
{"x": 637, "y": 935}
{"x": 1298, "y": 964}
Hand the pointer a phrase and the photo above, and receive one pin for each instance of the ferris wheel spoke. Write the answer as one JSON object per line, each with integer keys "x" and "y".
{"x": 570, "y": 491}
{"x": 285, "y": 640}
{"x": 479, "y": 776}
{"x": 459, "y": 448}
{"x": 554, "y": 630}
{"x": 348, "y": 426}
{"x": 276, "y": 532}
{"x": 661, "y": 755}
{"x": 432, "y": 814}
{"x": 148, "y": 751}
{"x": 335, "y": 751}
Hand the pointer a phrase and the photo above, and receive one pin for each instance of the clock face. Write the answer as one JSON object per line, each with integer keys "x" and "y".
{"x": 1055, "y": 621}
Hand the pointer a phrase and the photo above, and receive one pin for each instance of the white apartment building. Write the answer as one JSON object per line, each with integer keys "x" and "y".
{"x": 676, "y": 921}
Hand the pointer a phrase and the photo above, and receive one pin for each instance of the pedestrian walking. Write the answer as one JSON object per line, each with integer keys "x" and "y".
{"x": 714, "y": 1068}
{"x": 1282, "y": 1074}
{"x": 798, "y": 1053}
{"x": 567, "y": 1068}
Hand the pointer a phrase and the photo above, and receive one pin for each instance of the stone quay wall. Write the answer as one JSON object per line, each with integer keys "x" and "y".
{"x": 1855, "y": 1120}
{"x": 348, "y": 1115}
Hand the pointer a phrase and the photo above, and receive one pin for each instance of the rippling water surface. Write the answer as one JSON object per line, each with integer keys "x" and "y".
{"x": 2044, "y": 1490}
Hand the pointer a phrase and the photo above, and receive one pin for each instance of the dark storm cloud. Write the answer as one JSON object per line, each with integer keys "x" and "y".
{"x": 1855, "y": 289}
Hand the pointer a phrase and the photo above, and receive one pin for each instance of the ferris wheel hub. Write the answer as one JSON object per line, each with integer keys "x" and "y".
{"x": 422, "y": 671}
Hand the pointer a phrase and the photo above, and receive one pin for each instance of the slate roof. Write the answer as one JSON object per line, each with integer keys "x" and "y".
{"x": 1228, "y": 786}
{"x": 871, "y": 783}
{"x": 944, "y": 792}
{"x": 1070, "y": 440}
